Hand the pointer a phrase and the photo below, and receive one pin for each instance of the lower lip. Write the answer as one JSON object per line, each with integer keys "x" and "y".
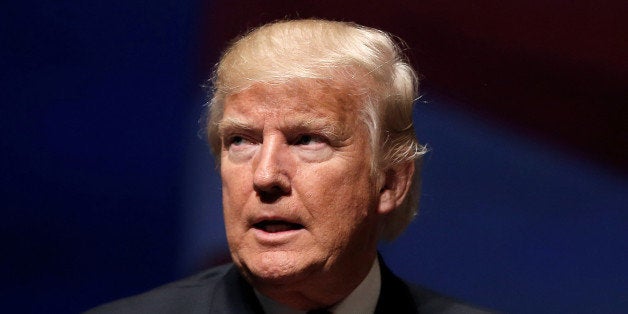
{"x": 276, "y": 238}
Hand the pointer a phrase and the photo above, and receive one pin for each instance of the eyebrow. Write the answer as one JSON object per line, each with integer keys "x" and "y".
{"x": 232, "y": 124}
{"x": 315, "y": 124}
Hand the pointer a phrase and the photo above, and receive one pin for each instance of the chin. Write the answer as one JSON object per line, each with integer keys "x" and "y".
{"x": 277, "y": 267}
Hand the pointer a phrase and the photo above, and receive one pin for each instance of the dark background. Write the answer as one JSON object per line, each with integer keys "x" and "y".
{"x": 108, "y": 190}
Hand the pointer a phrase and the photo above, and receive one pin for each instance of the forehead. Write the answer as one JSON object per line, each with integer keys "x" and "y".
{"x": 303, "y": 96}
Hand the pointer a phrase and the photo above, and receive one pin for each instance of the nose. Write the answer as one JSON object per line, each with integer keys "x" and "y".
{"x": 271, "y": 178}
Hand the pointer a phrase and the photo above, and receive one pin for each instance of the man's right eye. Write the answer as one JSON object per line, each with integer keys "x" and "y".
{"x": 236, "y": 140}
{"x": 238, "y": 143}
{"x": 239, "y": 147}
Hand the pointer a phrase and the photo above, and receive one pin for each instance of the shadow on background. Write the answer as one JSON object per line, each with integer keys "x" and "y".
{"x": 108, "y": 190}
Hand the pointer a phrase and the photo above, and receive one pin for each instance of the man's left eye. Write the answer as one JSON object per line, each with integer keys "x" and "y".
{"x": 312, "y": 147}
{"x": 308, "y": 139}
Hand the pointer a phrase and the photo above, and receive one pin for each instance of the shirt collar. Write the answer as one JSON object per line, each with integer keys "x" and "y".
{"x": 363, "y": 299}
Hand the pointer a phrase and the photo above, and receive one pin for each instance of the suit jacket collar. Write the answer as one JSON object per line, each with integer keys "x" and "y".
{"x": 234, "y": 294}
{"x": 394, "y": 296}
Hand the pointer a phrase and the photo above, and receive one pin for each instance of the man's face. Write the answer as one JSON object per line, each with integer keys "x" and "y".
{"x": 299, "y": 200}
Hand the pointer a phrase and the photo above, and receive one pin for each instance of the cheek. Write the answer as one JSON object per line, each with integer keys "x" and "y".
{"x": 340, "y": 202}
{"x": 233, "y": 216}
{"x": 234, "y": 195}
{"x": 235, "y": 180}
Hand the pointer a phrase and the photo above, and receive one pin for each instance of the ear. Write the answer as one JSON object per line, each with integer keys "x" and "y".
{"x": 396, "y": 184}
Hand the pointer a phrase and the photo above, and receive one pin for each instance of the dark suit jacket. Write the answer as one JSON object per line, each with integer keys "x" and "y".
{"x": 224, "y": 290}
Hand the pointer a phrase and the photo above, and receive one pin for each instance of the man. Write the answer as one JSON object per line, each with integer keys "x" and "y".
{"x": 311, "y": 124}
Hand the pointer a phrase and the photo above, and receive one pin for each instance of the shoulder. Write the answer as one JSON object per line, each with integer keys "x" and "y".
{"x": 405, "y": 297}
{"x": 189, "y": 295}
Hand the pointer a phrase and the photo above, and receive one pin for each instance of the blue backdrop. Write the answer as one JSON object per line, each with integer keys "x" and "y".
{"x": 107, "y": 189}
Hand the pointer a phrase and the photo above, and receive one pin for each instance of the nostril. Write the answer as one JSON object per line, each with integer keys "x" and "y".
{"x": 269, "y": 197}
{"x": 271, "y": 194}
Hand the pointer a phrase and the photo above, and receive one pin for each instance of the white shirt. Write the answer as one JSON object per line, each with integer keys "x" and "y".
{"x": 363, "y": 299}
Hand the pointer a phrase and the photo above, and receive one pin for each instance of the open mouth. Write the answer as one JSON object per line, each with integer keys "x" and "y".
{"x": 273, "y": 226}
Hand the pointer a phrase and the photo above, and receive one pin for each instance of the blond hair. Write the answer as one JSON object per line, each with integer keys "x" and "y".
{"x": 331, "y": 51}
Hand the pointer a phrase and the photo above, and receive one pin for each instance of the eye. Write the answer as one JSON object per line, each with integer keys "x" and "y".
{"x": 312, "y": 147}
{"x": 236, "y": 140}
{"x": 239, "y": 147}
{"x": 304, "y": 139}
{"x": 308, "y": 139}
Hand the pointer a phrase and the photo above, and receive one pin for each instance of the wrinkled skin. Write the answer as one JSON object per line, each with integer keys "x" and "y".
{"x": 301, "y": 208}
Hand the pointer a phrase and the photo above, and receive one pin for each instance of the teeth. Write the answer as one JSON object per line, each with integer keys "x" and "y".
{"x": 277, "y": 226}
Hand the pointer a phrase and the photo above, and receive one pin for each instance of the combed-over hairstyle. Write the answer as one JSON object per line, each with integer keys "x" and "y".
{"x": 330, "y": 51}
